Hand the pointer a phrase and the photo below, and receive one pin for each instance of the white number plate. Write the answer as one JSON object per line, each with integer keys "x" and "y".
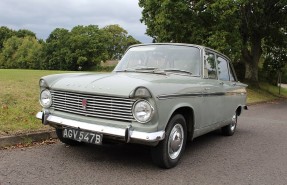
{"x": 83, "y": 136}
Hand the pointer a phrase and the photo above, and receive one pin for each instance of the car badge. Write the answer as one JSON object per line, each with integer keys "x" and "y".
{"x": 84, "y": 104}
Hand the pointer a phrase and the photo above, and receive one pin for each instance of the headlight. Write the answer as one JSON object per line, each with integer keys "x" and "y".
{"x": 142, "y": 111}
{"x": 46, "y": 98}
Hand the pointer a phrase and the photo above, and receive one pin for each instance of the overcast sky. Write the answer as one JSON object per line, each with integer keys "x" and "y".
{"x": 43, "y": 16}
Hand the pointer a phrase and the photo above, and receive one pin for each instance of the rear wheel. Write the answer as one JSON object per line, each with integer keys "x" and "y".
{"x": 169, "y": 151}
{"x": 71, "y": 142}
{"x": 230, "y": 129}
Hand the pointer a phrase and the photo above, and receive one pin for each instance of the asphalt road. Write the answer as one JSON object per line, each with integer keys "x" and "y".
{"x": 256, "y": 154}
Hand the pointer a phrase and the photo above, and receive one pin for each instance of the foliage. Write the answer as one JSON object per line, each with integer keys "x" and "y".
{"x": 79, "y": 49}
{"x": 236, "y": 28}
{"x": 82, "y": 48}
{"x": 5, "y": 33}
{"x": 23, "y": 33}
{"x": 25, "y": 53}
{"x": 118, "y": 41}
{"x": 275, "y": 61}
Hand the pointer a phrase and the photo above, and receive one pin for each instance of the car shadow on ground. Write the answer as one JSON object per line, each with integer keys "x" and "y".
{"x": 133, "y": 155}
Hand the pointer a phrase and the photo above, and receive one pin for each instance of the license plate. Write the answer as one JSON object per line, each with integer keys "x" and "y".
{"x": 83, "y": 136}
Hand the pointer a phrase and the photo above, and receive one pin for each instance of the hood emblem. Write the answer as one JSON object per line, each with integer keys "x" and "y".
{"x": 84, "y": 104}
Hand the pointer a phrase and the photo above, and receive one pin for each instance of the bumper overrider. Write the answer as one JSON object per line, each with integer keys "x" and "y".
{"x": 127, "y": 135}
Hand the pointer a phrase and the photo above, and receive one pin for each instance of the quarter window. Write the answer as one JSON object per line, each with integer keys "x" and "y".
{"x": 223, "y": 73}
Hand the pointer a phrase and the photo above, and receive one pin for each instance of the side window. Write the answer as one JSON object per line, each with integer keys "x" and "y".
{"x": 223, "y": 73}
{"x": 210, "y": 66}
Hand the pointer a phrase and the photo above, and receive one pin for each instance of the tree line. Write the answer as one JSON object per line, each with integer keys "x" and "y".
{"x": 248, "y": 31}
{"x": 81, "y": 48}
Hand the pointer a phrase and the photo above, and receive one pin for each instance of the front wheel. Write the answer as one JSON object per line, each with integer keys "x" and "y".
{"x": 169, "y": 151}
{"x": 229, "y": 130}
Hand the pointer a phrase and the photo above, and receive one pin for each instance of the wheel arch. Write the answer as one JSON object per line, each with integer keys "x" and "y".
{"x": 239, "y": 110}
{"x": 188, "y": 113}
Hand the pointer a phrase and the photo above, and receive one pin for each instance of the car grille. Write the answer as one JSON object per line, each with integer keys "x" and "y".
{"x": 106, "y": 107}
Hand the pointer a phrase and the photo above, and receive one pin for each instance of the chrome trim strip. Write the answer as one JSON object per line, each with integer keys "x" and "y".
{"x": 121, "y": 132}
{"x": 169, "y": 96}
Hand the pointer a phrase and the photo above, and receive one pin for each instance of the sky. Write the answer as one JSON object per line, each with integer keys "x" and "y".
{"x": 43, "y": 16}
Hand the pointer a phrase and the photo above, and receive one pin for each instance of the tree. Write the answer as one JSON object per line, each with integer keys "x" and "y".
{"x": 236, "y": 28}
{"x": 24, "y": 53}
{"x": 85, "y": 46}
{"x": 261, "y": 21}
{"x": 118, "y": 41}
{"x": 10, "y": 47}
{"x": 80, "y": 48}
{"x": 88, "y": 47}
{"x": 275, "y": 61}
{"x": 23, "y": 33}
{"x": 56, "y": 50}
{"x": 5, "y": 33}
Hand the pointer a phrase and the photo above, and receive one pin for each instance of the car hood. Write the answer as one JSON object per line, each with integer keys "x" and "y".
{"x": 122, "y": 84}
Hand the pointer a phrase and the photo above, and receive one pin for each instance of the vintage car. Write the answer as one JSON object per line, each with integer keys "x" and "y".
{"x": 159, "y": 95}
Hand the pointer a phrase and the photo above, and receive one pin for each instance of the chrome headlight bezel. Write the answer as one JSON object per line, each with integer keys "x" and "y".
{"x": 43, "y": 83}
{"x": 140, "y": 92}
{"x": 146, "y": 108}
{"x": 45, "y": 98}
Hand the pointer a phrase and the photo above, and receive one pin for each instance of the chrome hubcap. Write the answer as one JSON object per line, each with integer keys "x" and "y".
{"x": 175, "y": 141}
{"x": 233, "y": 123}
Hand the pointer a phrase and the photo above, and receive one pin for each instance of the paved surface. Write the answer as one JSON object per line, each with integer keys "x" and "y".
{"x": 256, "y": 154}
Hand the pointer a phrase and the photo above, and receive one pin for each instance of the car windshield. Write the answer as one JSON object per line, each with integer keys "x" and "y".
{"x": 161, "y": 58}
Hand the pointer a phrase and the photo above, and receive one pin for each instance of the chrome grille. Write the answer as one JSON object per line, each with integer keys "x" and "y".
{"x": 105, "y": 107}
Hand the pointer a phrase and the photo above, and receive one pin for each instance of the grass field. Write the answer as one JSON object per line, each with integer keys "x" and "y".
{"x": 266, "y": 92}
{"x": 19, "y": 92}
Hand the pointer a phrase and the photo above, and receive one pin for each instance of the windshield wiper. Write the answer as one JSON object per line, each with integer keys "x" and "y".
{"x": 178, "y": 70}
{"x": 139, "y": 69}
{"x": 144, "y": 70}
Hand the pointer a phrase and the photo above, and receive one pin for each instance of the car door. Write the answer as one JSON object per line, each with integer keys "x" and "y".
{"x": 213, "y": 92}
{"x": 228, "y": 87}
{"x": 227, "y": 78}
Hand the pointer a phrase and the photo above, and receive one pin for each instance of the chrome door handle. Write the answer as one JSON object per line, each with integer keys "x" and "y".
{"x": 207, "y": 88}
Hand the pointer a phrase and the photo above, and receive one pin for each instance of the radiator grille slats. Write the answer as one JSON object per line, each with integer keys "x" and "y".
{"x": 106, "y": 107}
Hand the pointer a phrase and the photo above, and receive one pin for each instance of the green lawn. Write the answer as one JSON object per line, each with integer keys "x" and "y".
{"x": 266, "y": 92}
{"x": 19, "y": 104}
{"x": 19, "y": 94}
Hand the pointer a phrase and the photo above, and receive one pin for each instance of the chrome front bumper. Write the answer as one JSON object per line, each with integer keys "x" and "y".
{"x": 127, "y": 134}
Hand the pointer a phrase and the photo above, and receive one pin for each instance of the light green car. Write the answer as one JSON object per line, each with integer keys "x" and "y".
{"x": 159, "y": 95}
